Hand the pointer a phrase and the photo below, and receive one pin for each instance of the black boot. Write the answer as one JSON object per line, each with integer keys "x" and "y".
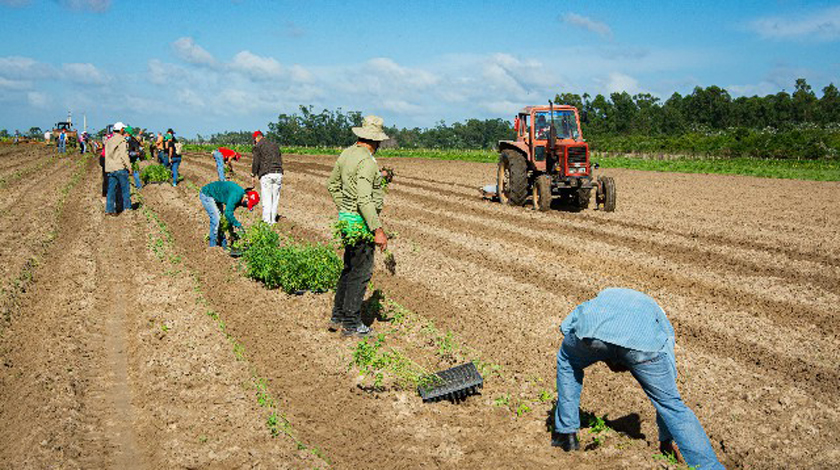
{"x": 567, "y": 442}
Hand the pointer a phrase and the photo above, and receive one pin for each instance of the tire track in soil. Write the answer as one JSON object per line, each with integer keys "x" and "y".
{"x": 817, "y": 378}
{"x": 423, "y": 423}
{"x": 657, "y": 230}
{"x": 777, "y": 311}
{"x": 415, "y": 295}
{"x": 653, "y": 244}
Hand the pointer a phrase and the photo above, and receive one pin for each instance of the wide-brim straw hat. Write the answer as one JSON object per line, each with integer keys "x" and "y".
{"x": 371, "y": 129}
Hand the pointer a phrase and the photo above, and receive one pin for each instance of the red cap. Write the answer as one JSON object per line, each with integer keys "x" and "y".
{"x": 237, "y": 156}
{"x": 256, "y": 133}
{"x": 253, "y": 199}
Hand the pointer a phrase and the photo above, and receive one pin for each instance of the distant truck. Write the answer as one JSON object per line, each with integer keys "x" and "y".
{"x": 67, "y": 127}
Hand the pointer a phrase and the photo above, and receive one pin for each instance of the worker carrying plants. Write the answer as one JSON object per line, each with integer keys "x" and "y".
{"x": 356, "y": 188}
{"x": 225, "y": 196}
{"x": 224, "y": 158}
{"x": 628, "y": 331}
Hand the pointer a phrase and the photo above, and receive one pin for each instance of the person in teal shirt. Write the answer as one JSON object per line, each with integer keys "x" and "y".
{"x": 225, "y": 196}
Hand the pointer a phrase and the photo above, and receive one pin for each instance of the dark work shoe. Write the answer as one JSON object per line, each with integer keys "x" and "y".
{"x": 567, "y": 442}
{"x": 361, "y": 331}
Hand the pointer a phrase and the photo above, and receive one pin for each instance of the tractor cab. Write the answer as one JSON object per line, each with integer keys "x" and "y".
{"x": 62, "y": 126}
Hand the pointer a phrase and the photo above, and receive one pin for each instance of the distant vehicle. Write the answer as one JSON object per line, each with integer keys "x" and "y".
{"x": 72, "y": 134}
{"x": 549, "y": 160}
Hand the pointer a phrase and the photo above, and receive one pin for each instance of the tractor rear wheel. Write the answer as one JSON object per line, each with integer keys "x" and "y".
{"x": 606, "y": 193}
{"x": 512, "y": 178}
{"x": 542, "y": 193}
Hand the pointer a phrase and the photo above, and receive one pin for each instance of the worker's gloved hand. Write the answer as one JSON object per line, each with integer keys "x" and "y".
{"x": 616, "y": 367}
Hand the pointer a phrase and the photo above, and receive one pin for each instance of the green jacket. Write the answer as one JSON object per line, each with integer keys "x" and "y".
{"x": 356, "y": 185}
{"x": 228, "y": 193}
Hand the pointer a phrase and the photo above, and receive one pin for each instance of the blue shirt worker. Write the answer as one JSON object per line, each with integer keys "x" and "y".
{"x": 628, "y": 331}
{"x": 225, "y": 196}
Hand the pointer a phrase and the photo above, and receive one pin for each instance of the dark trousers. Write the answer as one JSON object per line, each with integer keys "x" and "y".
{"x": 358, "y": 268}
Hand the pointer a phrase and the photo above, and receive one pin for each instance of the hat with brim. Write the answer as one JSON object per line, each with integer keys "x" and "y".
{"x": 371, "y": 129}
{"x": 118, "y": 126}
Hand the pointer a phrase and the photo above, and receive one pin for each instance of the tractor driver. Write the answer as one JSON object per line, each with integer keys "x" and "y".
{"x": 541, "y": 127}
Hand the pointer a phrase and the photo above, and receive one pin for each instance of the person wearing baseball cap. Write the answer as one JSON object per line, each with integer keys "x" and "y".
{"x": 356, "y": 188}
{"x": 117, "y": 167}
{"x": 227, "y": 196}
{"x": 224, "y": 158}
{"x": 268, "y": 168}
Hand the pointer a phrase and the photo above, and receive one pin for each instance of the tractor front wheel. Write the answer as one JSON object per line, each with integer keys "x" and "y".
{"x": 581, "y": 198}
{"x": 606, "y": 193}
{"x": 542, "y": 193}
{"x": 512, "y": 178}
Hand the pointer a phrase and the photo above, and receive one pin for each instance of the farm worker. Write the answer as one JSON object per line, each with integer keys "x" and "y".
{"x": 268, "y": 167}
{"x": 162, "y": 158}
{"x": 356, "y": 188}
{"x": 230, "y": 195}
{"x": 173, "y": 152}
{"x": 134, "y": 149}
{"x": 117, "y": 165}
{"x": 628, "y": 331}
{"x": 62, "y": 142}
{"x": 224, "y": 157}
{"x": 17, "y": 136}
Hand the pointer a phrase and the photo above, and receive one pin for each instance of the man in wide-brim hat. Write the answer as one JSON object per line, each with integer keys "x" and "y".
{"x": 356, "y": 188}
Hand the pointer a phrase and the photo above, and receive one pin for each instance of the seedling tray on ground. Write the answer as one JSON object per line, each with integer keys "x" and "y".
{"x": 453, "y": 384}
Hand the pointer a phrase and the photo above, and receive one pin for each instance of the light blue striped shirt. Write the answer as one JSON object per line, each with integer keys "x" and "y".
{"x": 624, "y": 317}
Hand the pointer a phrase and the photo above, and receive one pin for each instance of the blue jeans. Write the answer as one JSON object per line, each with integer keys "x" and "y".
{"x": 62, "y": 146}
{"x": 117, "y": 178}
{"x": 655, "y": 373}
{"x": 176, "y": 162}
{"x": 163, "y": 158}
{"x": 137, "y": 183}
{"x": 215, "y": 215}
{"x": 220, "y": 164}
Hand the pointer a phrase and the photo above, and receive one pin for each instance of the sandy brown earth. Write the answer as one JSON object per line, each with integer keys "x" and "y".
{"x": 110, "y": 358}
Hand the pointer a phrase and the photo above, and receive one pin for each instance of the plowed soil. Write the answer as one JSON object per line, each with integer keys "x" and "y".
{"x": 109, "y": 358}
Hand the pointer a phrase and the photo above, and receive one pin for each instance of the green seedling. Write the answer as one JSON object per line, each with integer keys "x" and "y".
{"x": 503, "y": 400}
{"x": 522, "y": 409}
{"x": 545, "y": 396}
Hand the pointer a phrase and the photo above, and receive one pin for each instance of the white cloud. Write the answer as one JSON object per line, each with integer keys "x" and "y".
{"x": 190, "y": 98}
{"x": 24, "y": 68}
{"x": 414, "y": 78}
{"x": 618, "y": 82}
{"x": 15, "y": 84}
{"x": 257, "y": 67}
{"x": 86, "y": 74}
{"x": 823, "y": 25}
{"x": 92, "y": 5}
{"x": 187, "y": 50}
{"x": 401, "y": 107}
{"x": 597, "y": 27}
{"x": 37, "y": 99}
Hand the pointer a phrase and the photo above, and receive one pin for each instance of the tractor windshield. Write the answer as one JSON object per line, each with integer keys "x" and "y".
{"x": 564, "y": 122}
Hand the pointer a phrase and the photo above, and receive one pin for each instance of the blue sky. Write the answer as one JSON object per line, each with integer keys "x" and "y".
{"x": 203, "y": 67}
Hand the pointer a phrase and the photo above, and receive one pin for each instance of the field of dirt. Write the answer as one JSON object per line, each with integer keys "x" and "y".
{"x": 127, "y": 343}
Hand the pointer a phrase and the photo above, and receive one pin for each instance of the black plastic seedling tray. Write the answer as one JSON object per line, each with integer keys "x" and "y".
{"x": 453, "y": 384}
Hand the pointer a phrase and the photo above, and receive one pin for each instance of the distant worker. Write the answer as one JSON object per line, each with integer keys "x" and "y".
{"x": 62, "y": 142}
{"x": 117, "y": 165}
{"x": 173, "y": 153}
{"x": 267, "y": 167}
{"x": 163, "y": 159}
{"x": 225, "y": 196}
{"x": 224, "y": 158}
{"x": 17, "y": 136}
{"x": 134, "y": 151}
{"x": 628, "y": 331}
{"x": 356, "y": 188}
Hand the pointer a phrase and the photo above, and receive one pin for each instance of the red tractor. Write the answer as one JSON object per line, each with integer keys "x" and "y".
{"x": 550, "y": 160}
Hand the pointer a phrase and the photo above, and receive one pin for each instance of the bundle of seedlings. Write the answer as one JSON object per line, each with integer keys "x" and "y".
{"x": 291, "y": 266}
{"x": 155, "y": 174}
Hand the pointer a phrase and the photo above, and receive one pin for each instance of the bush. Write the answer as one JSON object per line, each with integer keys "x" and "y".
{"x": 155, "y": 174}
{"x": 291, "y": 266}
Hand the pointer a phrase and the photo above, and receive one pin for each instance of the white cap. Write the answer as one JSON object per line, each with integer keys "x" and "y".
{"x": 119, "y": 126}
